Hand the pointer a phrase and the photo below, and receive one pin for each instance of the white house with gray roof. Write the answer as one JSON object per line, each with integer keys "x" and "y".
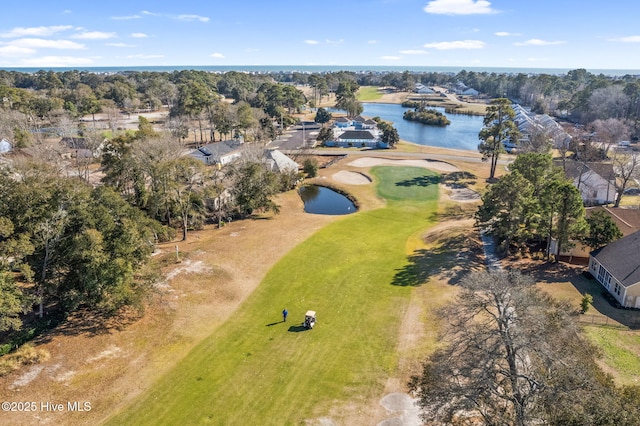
{"x": 617, "y": 267}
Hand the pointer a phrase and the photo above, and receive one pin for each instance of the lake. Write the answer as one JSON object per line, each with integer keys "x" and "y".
{"x": 462, "y": 133}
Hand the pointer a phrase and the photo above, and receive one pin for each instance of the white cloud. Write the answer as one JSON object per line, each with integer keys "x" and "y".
{"x": 35, "y": 31}
{"x": 217, "y": 55}
{"x": 143, "y": 56}
{"x": 538, "y": 42}
{"x": 334, "y": 41}
{"x": 390, "y": 58}
{"x": 94, "y": 35}
{"x": 56, "y": 61}
{"x": 414, "y": 52}
{"x": 506, "y": 34}
{"x": 459, "y": 7}
{"x": 14, "y": 51}
{"x": 372, "y": 42}
{"x": 146, "y": 12}
{"x": 40, "y": 43}
{"x": 126, "y": 18}
{"x": 139, "y": 35}
{"x": 311, "y": 41}
{"x": 628, "y": 39}
{"x": 190, "y": 18}
{"x": 459, "y": 44}
{"x": 119, "y": 45}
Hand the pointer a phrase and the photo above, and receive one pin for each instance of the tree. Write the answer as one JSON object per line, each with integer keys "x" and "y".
{"x": 189, "y": 190}
{"x": 506, "y": 208}
{"x": 325, "y": 134}
{"x": 390, "y": 136}
{"x": 253, "y": 188}
{"x": 322, "y": 116}
{"x": 626, "y": 166}
{"x": 602, "y": 230}
{"x": 12, "y": 303}
{"x": 610, "y": 131}
{"x": 512, "y": 356}
{"x": 310, "y": 167}
{"x": 499, "y": 127}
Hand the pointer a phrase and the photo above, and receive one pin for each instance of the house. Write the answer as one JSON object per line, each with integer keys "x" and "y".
{"x": 422, "y": 89}
{"x": 530, "y": 124}
{"x": 627, "y": 221}
{"x": 78, "y": 147}
{"x": 596, "y": 181}
{"x": 5, "y": 146}
{"x": 357, "y": 138}
{"x": 617, "y": 267}
{"x": 470, "y": 92}
{"x": 342, "y": 122}
{"x": 280, "y": 163}
{"x": 219, "y": 153}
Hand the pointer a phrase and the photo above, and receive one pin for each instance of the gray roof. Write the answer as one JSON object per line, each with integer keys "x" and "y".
{"x": 575, "y": 169}
{"x": 359, "y": 118}
{"x": 356, "y": 134}
{"x": 622, "y": 259}
{"x": 342, "y": 120}
{"x": 216, "y": 150}
{"x": 279, "y": 162}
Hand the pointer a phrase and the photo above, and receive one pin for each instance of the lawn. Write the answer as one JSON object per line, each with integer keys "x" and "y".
{"x": 368, "y": 93}
{"x": 621, "y": 352}
{"x": 256, "y": 369}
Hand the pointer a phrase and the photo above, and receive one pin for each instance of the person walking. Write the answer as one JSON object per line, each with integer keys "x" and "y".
{"x": 284, "y": 315}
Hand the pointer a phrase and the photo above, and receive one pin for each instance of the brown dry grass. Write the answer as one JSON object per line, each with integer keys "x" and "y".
{"x": 218, "y": 269}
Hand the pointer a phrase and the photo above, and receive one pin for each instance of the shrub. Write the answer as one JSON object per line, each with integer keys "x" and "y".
{"x": 27, "y": 354}
{"x": 310, "y": 167}
{"x": 586, "y": 302}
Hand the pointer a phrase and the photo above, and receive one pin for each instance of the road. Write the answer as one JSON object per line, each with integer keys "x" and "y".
{"x": 297, "y": 137}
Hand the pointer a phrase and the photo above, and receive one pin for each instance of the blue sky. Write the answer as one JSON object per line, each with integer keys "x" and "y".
{"x": 473, "y": 33}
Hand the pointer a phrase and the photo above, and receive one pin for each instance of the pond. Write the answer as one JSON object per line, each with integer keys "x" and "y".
{"x": 462, "y": 133}
{"x": 322, "y": 200}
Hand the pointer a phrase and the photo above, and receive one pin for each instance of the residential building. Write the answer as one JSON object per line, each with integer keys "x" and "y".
{"x": 596, "y": 181}
{"x": 219, "y": 153}
{"x": 617, "y": 267}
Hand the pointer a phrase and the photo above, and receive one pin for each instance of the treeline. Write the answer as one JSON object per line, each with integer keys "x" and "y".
{"x": 67, "y": 244}
{"x": 578, "y": 95}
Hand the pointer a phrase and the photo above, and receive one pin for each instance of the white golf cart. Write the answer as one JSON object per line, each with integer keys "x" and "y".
{"x": 310, "y": 319}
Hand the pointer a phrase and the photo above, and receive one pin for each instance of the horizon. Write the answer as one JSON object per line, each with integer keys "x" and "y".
{"x": 400, "y": 33}
{"x": 309, "y": 69}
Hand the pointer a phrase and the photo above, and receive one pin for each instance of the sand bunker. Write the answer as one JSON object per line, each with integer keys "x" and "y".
{"x": 463, "y": 195}
{"x": 439, "y": 166}
{"x": 351, "y": 178}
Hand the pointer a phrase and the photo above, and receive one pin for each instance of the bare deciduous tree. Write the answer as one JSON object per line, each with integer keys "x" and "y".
{"x": 626, "y": 166}
{"x": 512, "y": 355}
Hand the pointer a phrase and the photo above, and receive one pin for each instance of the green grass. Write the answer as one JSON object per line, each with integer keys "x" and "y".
{"x": 368, "y": 93}
{"x": 621, "y": 352}
{"x": 257, "y": 370}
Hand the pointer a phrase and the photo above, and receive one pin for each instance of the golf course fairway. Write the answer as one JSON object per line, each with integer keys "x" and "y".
{"x": 256, "y": 369}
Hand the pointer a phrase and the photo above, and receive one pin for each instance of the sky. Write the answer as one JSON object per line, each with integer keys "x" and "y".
{"x": 568, "y": 34}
